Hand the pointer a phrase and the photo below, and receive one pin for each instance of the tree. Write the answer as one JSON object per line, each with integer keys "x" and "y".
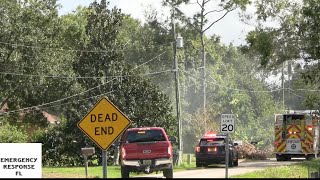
{"x": 101, "y": 63}
{"x": 201, "y": 23}
{"x": 29, "y": 54}
{"x": 296, "y": 38}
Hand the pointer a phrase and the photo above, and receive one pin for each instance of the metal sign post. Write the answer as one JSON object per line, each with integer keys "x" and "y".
{"x": 86, "y": 165}
{"x": 104, "y": 163}
{"x": 87, "y": 152}
{"x": 227, "y": 155}
{"x": 227, "y": 126}
{"x": 103, "y": 124}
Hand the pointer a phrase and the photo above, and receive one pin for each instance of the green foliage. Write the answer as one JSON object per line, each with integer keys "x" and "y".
{"x": 109, "y": 51}
{"x": 296, "y": 37}
{"x": 12, "y": 134}
{"x": 262, "y": 42}
{"x": 291, "y": 171}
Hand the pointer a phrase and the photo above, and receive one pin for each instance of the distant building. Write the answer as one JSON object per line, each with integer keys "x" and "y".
{"x": 52, "y": 119}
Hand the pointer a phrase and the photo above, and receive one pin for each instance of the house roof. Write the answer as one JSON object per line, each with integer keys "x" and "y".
{"x": 52, "y": 119}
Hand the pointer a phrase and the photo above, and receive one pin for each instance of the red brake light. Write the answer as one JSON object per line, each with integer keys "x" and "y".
{"x": 170, "y": 150}
{"x": 276, "y": 143}
{"x": 198, "y": 149}
{"x": 210, "y": 134}
{"x": 123, "y": 153}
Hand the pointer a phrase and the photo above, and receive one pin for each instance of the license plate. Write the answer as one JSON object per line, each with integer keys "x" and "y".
{"x": 147, "y": 162}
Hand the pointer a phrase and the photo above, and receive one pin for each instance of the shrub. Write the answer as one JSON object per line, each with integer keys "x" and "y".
{"x": 12, "y": 134}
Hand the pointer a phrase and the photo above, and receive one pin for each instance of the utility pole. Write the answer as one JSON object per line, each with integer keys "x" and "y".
{"x": 204, "y": 85}
{"x": 282, "y": 79}
{"x": 176, "y": 69}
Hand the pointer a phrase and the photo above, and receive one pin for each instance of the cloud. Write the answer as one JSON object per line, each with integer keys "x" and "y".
{"x": 230, "y": 28}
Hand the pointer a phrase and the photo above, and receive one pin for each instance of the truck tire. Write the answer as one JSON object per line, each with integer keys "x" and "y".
{"x": 236, "y": 162}
{"x": 198, "y": 164}
{"x": 124, "y": 172}
{"x": 168, "y": 173}
{"x": 279, "y": 158}
{"x": 309, "y": 157}
{"x": 230, "y": 163}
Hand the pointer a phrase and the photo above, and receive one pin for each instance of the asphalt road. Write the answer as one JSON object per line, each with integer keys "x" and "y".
{"x": 219, "y": 171}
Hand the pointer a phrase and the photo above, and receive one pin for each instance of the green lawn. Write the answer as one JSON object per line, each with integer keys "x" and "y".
{"x": 299, "y": 170}
{"x": 293, "y": 171}
{"x": 94, "y": 172}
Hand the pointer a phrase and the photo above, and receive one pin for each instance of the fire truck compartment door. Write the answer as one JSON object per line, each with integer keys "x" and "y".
{"x": 293, "y": 145}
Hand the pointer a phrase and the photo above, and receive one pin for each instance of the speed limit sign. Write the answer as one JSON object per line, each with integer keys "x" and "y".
{"x": 227, "y": 123}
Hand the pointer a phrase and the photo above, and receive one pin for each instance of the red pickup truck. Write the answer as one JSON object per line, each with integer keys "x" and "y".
{"x": 146, "y": 150}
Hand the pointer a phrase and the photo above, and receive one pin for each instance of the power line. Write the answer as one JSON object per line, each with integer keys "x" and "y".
{"x": 235, "y": 89}
{"x": 93, "y": 77}
{"x": 310, "y": 90}
{"x": 295, "y": 94}
{"x": 84, "y": 77}
{"x": 47, "y": 107}
{"x": 59, "y": 100}
{"x": 80, "y": 50}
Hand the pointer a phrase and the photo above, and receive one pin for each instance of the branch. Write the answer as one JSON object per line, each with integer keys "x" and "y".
{"x": 7, "y": 98}
{"x": 218, "y": 19}
{"x": 199, "y": 3}
{"x": 3, "y": 102}
{"x": 198, "y": 30}
{"x": 205, "y": 2}
{"x": 213, "y": 11}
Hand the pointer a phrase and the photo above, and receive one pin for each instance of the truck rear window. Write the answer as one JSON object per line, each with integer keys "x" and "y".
{"x": 210, "y": 142}
{"x": 145, "y": 136}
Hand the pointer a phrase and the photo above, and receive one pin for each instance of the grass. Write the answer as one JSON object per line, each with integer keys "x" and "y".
{"x": 96, "y": 171}
{"x": 292, "y": 171}
{"x": 79, "y": 172}
{"x": 299, "y": 170}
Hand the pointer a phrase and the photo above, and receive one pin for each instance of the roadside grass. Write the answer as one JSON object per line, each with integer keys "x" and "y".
{"x": 96, "y": 171}
{"x": 299, "y": 170}
{"x": 79, "y": 172}
{"x": 291, "y": 171}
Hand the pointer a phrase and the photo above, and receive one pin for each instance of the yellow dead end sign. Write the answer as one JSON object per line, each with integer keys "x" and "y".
{"x": 104, "y": 123}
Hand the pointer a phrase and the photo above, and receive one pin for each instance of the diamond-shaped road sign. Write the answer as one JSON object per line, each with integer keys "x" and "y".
{"x": 104, "y": 123}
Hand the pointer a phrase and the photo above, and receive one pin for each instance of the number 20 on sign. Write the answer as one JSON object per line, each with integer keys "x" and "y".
{"x": 227, "y": 123}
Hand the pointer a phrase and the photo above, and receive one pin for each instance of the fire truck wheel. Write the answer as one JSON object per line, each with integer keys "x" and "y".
{"x": 279, "y": 158}
{"x": 309, "y": 157}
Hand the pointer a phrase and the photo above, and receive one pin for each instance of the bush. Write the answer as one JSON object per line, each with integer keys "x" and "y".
{"x": 12, "y": 134}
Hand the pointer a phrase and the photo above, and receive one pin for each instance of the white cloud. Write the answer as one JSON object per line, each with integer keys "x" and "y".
{"x": 230, "y": 28}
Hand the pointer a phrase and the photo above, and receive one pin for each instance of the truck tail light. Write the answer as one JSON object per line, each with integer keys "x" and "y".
{"x": 123, "y": 153}
{"x": 170, "y": 151}
{"x": 198, "y": 149}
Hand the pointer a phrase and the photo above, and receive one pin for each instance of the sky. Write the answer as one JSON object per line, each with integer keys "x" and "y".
{"x": 230, "y": 28}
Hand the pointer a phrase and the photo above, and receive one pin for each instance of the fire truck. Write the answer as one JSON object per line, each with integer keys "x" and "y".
{"x": 297, "y": 135}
